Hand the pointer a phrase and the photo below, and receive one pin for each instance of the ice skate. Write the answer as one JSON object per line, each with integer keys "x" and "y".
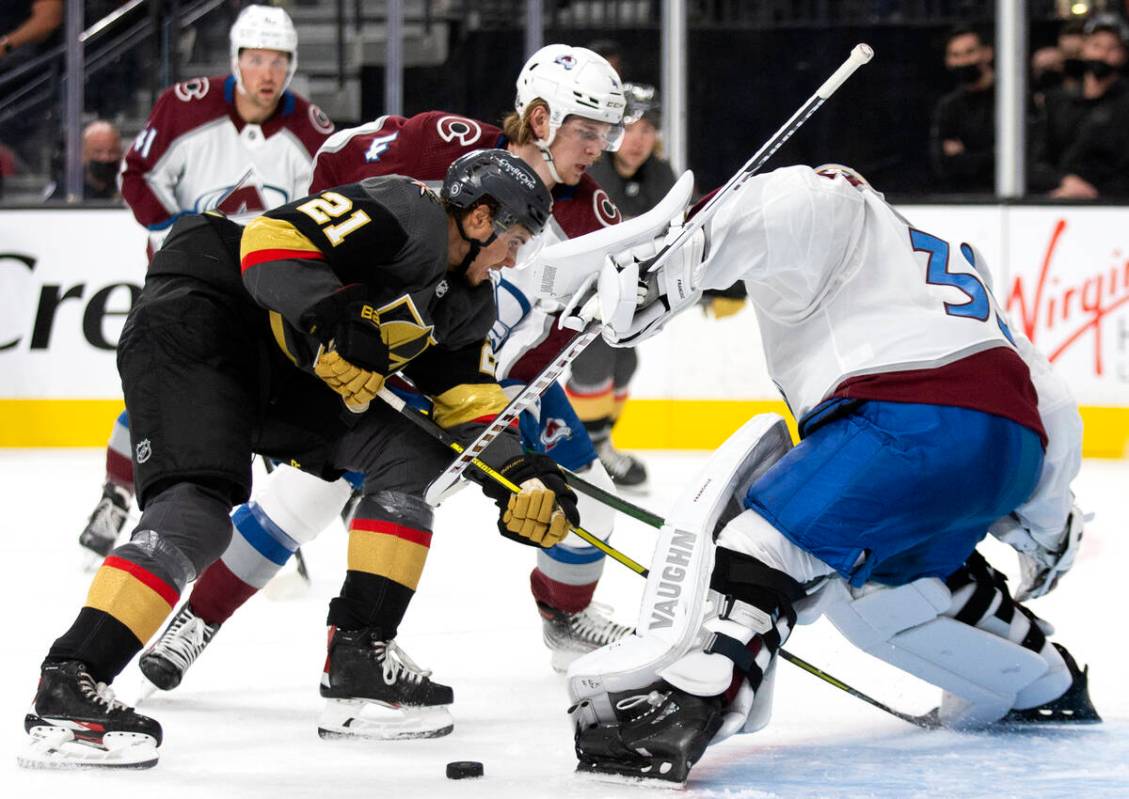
{"x": 75, "y": 722}
{"x": 374, "y": 690}
{"x": 625, "y": 470}
{"x": 660, "y": 733}
{"x": 570, "y": 635}
{"x": 165, "y": 662}
{"x": 106, "y": 522}
{"x": 1073, "y": 707}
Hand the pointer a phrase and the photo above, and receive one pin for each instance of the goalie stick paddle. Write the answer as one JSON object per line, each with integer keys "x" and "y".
{"x": 926, "y": 721}
{"x": 861, "y": 54}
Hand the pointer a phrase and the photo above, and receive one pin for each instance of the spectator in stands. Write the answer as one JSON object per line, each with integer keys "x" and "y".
{"x": 635, "y": 176}
{"x": 963, "y": 136}
{"x": 1070, "y": 39}
{"x": 24, "y": 23}
{"x": 101, "y": 162}
{"x": 1080, "y": 144}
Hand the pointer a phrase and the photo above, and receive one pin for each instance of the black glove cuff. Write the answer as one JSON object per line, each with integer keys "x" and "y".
{"x": 324, "y": 317}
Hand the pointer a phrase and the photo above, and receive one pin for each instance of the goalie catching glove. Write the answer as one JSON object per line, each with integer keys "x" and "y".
{"x": 353, "y": 359}
{"x": 541, "y": 513}
{"x": 1043, "y": 558}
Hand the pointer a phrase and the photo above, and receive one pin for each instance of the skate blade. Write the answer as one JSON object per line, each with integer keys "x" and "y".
{"x": 561, "y": 659}
{"x": 145, "y": 689}
{"x": 364, "y": 719}
{"x": 51, "y": 747}
{"x": 630, "y": 777}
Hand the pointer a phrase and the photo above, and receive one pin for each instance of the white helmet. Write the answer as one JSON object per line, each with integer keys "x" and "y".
{"x": 572, "y": 80}
{"x": 263, "y": 28}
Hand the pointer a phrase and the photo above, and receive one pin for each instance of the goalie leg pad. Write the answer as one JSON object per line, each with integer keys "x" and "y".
{"x": 675, "y": 601}
{"x": 983, "y": 665}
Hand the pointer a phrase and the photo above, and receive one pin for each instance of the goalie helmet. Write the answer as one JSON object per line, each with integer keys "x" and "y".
{"x": 503, "y": 180}
{"x": 264, "y": 28}
{"x": 572, "y": 81}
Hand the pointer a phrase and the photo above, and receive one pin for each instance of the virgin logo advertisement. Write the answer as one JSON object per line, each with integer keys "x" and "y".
{"x": 1068, "y": 291}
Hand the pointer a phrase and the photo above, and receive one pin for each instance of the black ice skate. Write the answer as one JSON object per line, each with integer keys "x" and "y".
{"x": 1073, "y": 707}
{"x": 661, "y": 733}
{"x": 107, "y": 521}
{"x": 165, "y": 662}
{"x": 75, "y": 722}
{"x": 374, "y": 690}
{"x": 625, "y": 470}
{"x": 570, "y": 635}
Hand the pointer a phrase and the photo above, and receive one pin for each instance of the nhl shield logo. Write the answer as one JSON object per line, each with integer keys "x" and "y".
{"x": 144, "y": 450}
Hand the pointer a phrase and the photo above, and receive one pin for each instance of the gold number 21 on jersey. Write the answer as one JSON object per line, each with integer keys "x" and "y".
{"x": 329, "y": 206}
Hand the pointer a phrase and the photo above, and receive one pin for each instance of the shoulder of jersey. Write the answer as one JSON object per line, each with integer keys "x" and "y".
{"x": 190, "y": 104}
{"x": 422, "y": 146}
{"x": 308, "y": 122}
{"x": 584, "y": 207}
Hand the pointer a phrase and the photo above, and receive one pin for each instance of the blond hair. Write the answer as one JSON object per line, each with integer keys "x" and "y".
{"x": 518, "y": 128}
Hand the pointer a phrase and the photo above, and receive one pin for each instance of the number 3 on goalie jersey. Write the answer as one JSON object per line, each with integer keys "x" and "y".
{"x": 329, "y": 206}
{"x": 981, "y": 304}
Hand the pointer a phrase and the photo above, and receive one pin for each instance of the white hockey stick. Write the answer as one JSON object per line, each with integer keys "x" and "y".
{"x": 861, "y": 54}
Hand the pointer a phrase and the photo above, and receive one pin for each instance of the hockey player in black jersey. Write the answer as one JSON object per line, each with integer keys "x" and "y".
{"x": 247, "y": 341}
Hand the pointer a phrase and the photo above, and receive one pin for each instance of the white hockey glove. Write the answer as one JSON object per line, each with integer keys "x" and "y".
{"x": 636, "y": 303}
{"x": 1043, "y": 558}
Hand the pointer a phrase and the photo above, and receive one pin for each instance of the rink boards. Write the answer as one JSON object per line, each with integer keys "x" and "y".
{"x": 70, "y": 276}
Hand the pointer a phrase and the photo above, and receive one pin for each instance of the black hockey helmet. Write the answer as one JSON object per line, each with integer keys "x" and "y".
{"x": 512, "y": 189}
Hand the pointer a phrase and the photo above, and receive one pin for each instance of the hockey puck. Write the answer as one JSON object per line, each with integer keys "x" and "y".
{"x": 464, "y": 769}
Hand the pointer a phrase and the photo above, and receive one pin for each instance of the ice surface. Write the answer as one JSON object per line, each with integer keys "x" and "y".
{"x": 243, "y": 724}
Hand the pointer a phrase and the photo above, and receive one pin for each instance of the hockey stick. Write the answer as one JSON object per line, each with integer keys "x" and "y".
{"x": 861, "y": 54}
{"x": 426, "y": 424}
{"x": 429, "y": 426}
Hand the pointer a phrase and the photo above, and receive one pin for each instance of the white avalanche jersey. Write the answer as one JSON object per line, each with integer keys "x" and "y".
{"x": 196, "y": 154}
{"x": 845, "y": 287}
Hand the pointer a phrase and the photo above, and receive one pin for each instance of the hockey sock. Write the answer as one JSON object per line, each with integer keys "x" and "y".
{"x": 576, "y": 576}
{"x": 125, "y": 606}
{"x": 119, "y": 463}
{"x": 258, "y": 550}
{"x": 389, "y": 538}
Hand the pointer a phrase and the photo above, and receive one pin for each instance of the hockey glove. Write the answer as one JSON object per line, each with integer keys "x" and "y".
{"x": 353, "y": 359}
{"x": 541, "y": 513}
{"x": 1043, "y": 558}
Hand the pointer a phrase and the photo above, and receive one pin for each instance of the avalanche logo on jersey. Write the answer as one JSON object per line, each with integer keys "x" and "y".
{"x": 464, "y": 131}
{"x": 379, "y": 146}
{"x": 605, "y": 210}
{"x": 553, "y": 432}
{"x": 249, "y": 196}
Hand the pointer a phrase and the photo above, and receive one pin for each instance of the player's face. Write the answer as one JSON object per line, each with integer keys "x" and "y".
{"x": 264, "y": 75}
{"x": 504, "y": 252}
{"x": 639, "y": 141}
{"x": 577, "y": 145}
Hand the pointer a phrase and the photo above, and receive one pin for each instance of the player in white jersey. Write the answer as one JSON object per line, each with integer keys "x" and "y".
{"x": 241, "y": 144}
{"x": 924, "y": 422}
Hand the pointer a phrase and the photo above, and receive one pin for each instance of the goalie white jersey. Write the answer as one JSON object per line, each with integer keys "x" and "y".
{"x": 849, "y": 294}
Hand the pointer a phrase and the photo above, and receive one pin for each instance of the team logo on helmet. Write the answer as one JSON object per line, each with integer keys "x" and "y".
{"x": 567, "y": 61}
{"x": 464, "y": 131}
{"x": 605, "y": 210}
